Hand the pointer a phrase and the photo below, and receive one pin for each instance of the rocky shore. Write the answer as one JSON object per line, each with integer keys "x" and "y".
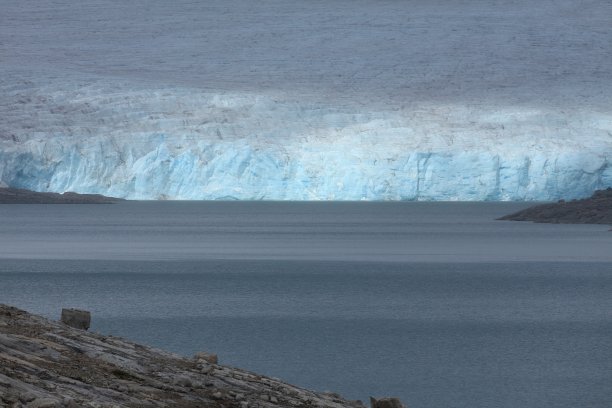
{"x": 48, "y": 364}
{"x": 594, "y": 210}
{"x": 20, "y": 196}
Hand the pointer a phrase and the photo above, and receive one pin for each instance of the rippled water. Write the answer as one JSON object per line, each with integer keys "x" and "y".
{"x": 434, "y": 302}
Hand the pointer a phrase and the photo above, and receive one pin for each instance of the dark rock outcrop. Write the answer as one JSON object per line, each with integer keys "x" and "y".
{"x": 21, "y": 196}
{"x": 386, "y": 403}
{"x": 594, "y": 210}
{"x": 49, "y": 364}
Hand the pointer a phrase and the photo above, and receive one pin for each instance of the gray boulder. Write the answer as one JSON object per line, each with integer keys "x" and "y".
{"x": 386, "y": 403}
{"x": 206, "y": 357}
{"x": 79, "y": 319}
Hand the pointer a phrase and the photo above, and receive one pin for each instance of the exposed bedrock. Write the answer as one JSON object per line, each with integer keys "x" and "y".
{"x": 596, "y": 209}
{"x": 49, "y": 364}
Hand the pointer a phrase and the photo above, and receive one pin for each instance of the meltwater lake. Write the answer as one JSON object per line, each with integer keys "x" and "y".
{"x": 436, "y": 303}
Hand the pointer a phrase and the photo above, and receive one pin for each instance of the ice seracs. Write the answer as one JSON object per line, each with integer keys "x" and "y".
{"x": 180, "y": 143}
{"x": 299, "y": 100}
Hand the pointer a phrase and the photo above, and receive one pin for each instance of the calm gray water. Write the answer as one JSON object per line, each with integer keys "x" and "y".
{"x": 436, "y": 303}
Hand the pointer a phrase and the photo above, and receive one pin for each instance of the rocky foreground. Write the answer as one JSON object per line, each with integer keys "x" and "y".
{"x": 47, "y": 364}
{"x": 20, "y": 196}
{"x": 594, "y": 210}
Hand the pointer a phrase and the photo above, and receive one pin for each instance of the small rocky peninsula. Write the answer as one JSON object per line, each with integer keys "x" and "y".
{"x": 21, "y": 196}
{"x": 49, "y": 364}
{"x": 594, "y": 210}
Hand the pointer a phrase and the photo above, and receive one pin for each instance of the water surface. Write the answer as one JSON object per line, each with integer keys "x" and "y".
{"x": 436, "y": 303}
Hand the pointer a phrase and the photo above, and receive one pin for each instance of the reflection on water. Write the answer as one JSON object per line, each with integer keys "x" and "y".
{"x": 433, "y": 302}
{"x": 427, "y": 232}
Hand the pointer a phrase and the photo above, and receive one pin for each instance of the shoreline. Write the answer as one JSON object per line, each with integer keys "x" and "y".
{"x": 10, "y": 195}
{"x": 596, "y": 209}
{"x": 50, "y": 363}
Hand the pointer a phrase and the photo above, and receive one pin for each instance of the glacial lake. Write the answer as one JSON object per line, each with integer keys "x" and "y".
{"x": 436, "y": 303}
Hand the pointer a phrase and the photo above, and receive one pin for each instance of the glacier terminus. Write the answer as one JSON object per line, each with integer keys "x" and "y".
{"x": 335, "y": 101}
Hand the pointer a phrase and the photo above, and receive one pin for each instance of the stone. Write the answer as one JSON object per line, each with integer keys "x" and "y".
{"x": 70, "y": 403}
{"x": 183, "y": 381}
{"x": 27, "y": 397}
{"x": 386, "y": 403}
{"x": 10, "y": 397}
{"x": 207, "y": 370}
{"x": 44, "y": 403}
{"x": 208, "y": 357}
{"x": 79, "y": 319}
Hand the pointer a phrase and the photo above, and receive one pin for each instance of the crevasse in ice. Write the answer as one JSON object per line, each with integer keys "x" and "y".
{"x": 188, "y": 144}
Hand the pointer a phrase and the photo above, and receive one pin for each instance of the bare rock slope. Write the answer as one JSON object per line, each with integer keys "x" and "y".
{"x": 22, "y": 196}
{"x": 49, "y": 364}
{"x": 594, "y": 210}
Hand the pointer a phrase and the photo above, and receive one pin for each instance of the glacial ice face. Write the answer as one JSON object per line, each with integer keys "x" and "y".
{"x": 305, "y": 100}
{"x": 180, "y": 143}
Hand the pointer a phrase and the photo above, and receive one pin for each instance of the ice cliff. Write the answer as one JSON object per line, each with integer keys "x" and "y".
{"x": 181, "y": 143}
{"x": 307, "y": 100}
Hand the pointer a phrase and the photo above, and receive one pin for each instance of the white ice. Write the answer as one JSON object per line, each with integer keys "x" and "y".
{"x": 294, "y": 100}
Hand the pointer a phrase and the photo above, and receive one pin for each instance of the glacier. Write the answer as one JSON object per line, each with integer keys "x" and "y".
{"x": 294, "y": 100}
{"x": 183, "y": 144}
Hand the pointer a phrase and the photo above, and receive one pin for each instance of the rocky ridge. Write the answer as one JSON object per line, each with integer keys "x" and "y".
{"x": 48, "y": 364}
{"x": 21, "y": 196}
{"x": 594, "y": 210}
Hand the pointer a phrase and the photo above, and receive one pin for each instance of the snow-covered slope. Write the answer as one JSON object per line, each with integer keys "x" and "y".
{"x": 340, "y": 100}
